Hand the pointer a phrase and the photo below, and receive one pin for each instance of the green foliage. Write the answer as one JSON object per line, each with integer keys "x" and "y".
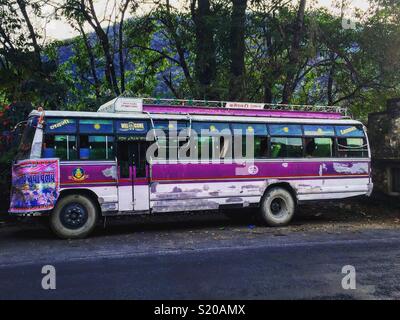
{"x": 157, "y": 54}
{"x": 355, "y": 68}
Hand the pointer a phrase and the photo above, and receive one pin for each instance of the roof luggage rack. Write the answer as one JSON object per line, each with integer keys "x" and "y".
{"x": 125, "y": 103}
{"x": 240, "y": 105}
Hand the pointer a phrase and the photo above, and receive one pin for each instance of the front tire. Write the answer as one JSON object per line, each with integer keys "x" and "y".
{"x": 277, "y": 207}
{"x": 74, "y": 217}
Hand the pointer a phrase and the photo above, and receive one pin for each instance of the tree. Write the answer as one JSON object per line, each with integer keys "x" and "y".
{"x": 205, "y": 62}
{"x": 294, "y": 54}
{"x": 83, "y": 11}
{"x": 24, "y": 74}
{"x": 237, "y": 51}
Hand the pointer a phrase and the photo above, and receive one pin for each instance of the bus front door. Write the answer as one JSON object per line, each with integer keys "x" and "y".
{"x": 133, "y": 176}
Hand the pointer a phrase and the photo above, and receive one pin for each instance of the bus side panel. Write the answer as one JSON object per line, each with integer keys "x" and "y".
{"x": 205, "y": 195}
{"x": 98, "y": 177}
{"x": 330, "y": 188}
{"x": 208, "y": 186}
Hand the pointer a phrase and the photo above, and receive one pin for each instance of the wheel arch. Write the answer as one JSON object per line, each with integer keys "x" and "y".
{"x": 84, "y": 192}
{"x": 284, "y": 185}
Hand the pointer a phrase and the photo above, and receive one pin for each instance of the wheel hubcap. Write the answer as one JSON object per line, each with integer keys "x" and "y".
{"x": 278, "y": 207}
{"x": 73, "y": 216}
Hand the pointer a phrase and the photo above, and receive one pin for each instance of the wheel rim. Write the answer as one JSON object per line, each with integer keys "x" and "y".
{"x": 73, "y": 216}
{"x": 278, "y": 207}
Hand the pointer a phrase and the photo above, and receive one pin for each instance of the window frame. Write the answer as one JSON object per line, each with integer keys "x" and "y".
{"x": 62, "y": 133}
{"x": 180, "y": 125}
{"x": 364, "y": 137}
{"x": 334, "y": 146}
{"x": 113, "y": 143}
{"x": 270, "y": 136}
{"x": 78, "y": 134}
{"x": 226, "y": 124}
{"x": 66, "y": 135}
{"x": 291, "y": 136}
{"x": 267, "y": 136}
{"x": 366, "y": 150}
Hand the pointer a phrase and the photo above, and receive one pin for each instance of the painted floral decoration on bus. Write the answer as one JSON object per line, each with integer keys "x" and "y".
{"x": 35, "y": 185}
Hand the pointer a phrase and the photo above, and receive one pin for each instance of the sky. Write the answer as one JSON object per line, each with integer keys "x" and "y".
{"x": 55, "y": 29}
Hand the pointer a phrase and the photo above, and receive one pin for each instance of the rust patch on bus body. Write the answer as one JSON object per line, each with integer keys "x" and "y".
{"x": 187, "y": 205}
{"x": 351, "y": 168}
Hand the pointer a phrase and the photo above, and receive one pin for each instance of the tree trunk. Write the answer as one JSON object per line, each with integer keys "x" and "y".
{"x": 110, "y": 68}
{"x": 294, "y": 52}
{"x": 121, "y": 46}
{"x": 268, "y": 90}
{"x": 330, "y": 79}
{"x": 205, "y": 62}
{"x": 32, "y": 34}
{"x": 237, "y": 48}
{"x": 179, "y": 47}
{"x": 105, "y": 44}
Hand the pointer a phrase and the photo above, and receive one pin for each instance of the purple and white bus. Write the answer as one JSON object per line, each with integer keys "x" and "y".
{"x": 148, "y": 156}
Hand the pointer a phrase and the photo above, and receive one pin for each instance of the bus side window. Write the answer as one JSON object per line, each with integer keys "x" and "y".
{"x": 351, "y": 142}
{"x": 48, "y": 147}
{"x": 204, "y": 145}
{"x": 319, "y": 147}
{"x": 258, "y": 132}
{"x": 260, "y": 144}
{"x": 260, "y": 147}
{"x": 162, "y": 150}
{"x": 96, "y": 147}
{"x": 213, "y": 140}
{"x": 60, "y": 146}
{"x": 286, "y": 141}
{"x": 140, "y": 159}
{"x": 286, "y": 147}
{"x": 225, "y": 147}
{"x": 352, "y": 148}
{"x": 123, "y": 159}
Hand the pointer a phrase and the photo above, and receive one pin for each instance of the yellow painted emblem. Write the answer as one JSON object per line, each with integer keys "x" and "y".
{"x": 97, "y": 126}
{"x": 78, "y": 174}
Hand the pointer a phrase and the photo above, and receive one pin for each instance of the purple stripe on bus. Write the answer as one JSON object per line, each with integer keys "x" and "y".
{"x": 79, "y": 174}
{"x": 257, "y": 179}
{"x": 240, "y": 112}
{"x": 91, "y": 185}
{"x": 72, "y": 186}
{"x": 258, "y": 169}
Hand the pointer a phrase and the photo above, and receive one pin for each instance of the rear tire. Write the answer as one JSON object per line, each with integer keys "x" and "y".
{"x": 277, "y": 207}
{"x": 74, "y": 217}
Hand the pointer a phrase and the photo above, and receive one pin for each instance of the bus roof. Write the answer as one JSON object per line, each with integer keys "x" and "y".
{"x": 221, "y": 108}
{"x": 193, "y": 117}
{"x": 240, "y": 112}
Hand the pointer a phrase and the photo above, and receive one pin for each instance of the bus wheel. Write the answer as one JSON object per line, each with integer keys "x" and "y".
{"x": 277, "y": 207}
{"x": 74, "y": 217}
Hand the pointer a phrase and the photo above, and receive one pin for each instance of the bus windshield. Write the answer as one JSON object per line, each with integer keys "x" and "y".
{"x": 25, "y": 144}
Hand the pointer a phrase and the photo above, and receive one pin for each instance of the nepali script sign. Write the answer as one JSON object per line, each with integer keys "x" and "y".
{"x": 244, "y": 105}
{"x": 35, "y": 185}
